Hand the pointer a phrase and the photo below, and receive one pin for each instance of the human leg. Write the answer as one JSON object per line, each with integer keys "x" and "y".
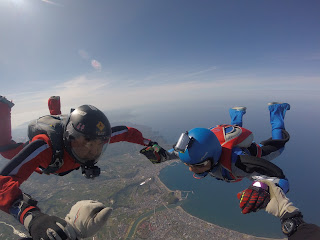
{"x": 236, "y": 114}
{"x": 54, "y": 105}
{"x": 277, "y": 114}
{"x": 5, "y": 121}
{"x": 8, "y": 147}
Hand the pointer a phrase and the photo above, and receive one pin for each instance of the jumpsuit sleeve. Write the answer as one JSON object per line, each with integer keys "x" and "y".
{"x": 306, "y": 231}
{"x": 258, "y": 169}
{"x": 172, "y": 154}
{"x": 37, "y": 153}
{"x": 128, "y": 134}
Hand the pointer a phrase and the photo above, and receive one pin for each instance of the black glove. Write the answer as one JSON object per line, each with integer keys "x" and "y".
{"x": 45, "y": 227}
{"x": 40, "y": 226}
{"x": 154, "y": 153}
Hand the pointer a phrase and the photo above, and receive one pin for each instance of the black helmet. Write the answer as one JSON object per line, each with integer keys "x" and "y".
{"x": 88, "y": 130}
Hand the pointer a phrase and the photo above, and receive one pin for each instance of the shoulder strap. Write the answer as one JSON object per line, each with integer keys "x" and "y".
{"x": 230, "y": 136}
{"x": 53, "y": 127}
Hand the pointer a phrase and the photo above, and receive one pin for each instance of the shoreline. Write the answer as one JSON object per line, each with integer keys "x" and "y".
{"x": 179, "y": 208}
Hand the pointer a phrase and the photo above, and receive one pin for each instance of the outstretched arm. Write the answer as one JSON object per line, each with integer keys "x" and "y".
{"x": 279, "y": 205}
{"x": 157, "y": 154}
{"x": 128, "y": 134}
{"x": 37, "y": 153}
{"x": 20, "y": 205}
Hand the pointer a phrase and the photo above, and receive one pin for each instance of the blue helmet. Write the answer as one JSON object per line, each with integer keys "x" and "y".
{"x": 198, "y": 145}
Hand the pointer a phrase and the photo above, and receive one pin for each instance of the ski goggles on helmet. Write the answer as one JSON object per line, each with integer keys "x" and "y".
{"x": 183, "y": 143}
{"x": 200, "y": 165}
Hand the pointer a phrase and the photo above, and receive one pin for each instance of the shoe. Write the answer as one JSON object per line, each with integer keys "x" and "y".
{"x": 273, "y": 103}
{"x": 239, "y": 108}
{"x": 6, "y": 101}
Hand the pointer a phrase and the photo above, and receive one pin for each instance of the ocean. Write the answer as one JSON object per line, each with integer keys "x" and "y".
{"x": 216, "y": 202}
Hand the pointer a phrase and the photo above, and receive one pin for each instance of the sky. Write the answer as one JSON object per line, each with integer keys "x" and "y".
{"x": 158, "y": 56}
{"x": 177, "y": 63}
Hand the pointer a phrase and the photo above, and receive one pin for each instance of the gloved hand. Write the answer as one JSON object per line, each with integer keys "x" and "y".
{"x": 40, "y": 226}
{"x": 254, "y": 197}
{"x": 154, "y": 153}
{"x": 279, "y": 204}
{"x": 44, "y": 227}
{"x": 87, "y": 217}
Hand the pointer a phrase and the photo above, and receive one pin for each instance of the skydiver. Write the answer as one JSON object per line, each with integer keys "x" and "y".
{"x": 58, "y": 145}
{"x": 227, "y": 152}
{"x": 277, "y": 204}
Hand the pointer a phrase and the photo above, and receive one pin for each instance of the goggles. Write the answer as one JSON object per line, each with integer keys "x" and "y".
{"x": 199, "y": 165}
{"x": 183, "y": 143}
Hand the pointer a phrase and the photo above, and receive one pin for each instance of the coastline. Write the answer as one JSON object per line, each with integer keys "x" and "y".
{"x": 197, "y": 220}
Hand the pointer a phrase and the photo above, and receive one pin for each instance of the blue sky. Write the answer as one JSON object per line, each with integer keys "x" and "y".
{"x": 135, "y": 55}
{"x": 172, "y": 62}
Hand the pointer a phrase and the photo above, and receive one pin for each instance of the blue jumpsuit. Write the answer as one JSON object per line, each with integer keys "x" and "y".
{"x": 270, "y": 148}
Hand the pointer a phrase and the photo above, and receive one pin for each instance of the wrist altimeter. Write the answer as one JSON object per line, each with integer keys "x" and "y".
{"x": 290, "y": 223}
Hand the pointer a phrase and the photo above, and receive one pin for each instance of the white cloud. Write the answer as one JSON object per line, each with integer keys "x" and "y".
{"x": 113, "y": 94}
{"x": 200, "y": 72}
{"x": 96, "y": 64}
{"x": 93, "y": 62}
{"x": 52, "y": 3}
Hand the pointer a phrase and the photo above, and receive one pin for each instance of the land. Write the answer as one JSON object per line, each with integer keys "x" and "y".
{"x": 147, "y": 211}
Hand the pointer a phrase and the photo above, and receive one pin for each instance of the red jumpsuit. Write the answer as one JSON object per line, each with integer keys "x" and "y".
{"x": 38, "y": 153}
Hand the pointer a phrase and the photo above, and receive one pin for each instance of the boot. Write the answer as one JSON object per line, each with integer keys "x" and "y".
{"x": 277, "y": 113}
{"x": 5, "y": 121}
{"x": 54, "y": 105}
{"x": 236, "y": 114}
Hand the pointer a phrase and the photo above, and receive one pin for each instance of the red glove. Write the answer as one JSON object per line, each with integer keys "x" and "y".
{"x": 254, "y": 198}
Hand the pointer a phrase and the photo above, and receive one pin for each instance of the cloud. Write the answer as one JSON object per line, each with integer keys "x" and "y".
{"x": 52, "y": 3}
{"x": 96, "y": 65}
{"x": 113, "y": 93}
{"x": 200, "y": 72}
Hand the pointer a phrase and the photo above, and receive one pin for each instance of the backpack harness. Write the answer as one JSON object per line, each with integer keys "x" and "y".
{"x": 231, "y": 136}
{"x": 53, "y": 126}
